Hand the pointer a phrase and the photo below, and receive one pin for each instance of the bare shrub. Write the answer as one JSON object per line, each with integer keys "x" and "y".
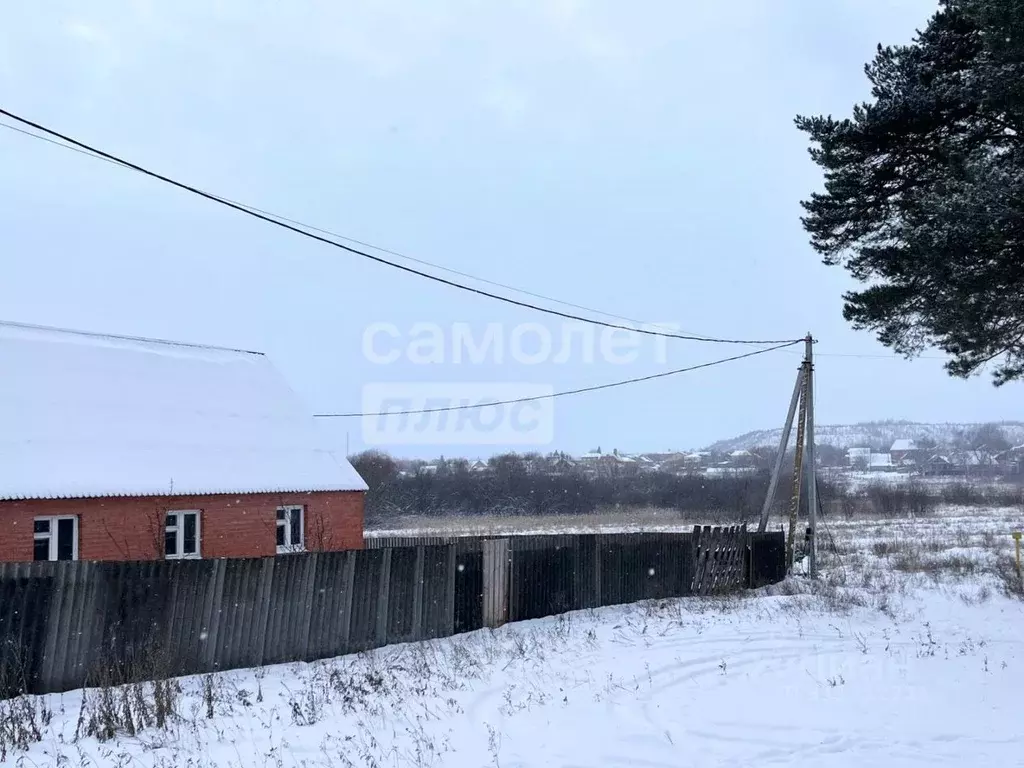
{"x": 1009, "y": 577}
{"x": 884, "y": 548}
{"x": 22, "y": 720}
{"x": 14, "y": 668}
{"x": 118, "y": 703}
{"x": 911, "y": 500}
{"x": 950, "y": 564}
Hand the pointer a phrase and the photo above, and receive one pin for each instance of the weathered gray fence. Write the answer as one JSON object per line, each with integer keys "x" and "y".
{"x": 68, "y": 624}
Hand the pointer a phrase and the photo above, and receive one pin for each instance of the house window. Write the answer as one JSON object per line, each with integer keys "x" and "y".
{"x": 55, "y": 538}
{"x": 290, "y": 536}
{"x": 181, "y": 535}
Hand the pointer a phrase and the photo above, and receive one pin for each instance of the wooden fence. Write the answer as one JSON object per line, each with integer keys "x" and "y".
{"x": 68, "y": 624}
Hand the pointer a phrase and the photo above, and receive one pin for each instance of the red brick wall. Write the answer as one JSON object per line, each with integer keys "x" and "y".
{"x": 232, "y": 525}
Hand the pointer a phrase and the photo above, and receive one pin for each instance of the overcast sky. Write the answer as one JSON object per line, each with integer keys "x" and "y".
{"x": 637, "y": 158}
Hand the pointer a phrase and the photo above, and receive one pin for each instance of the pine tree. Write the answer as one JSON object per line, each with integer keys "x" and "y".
{"x": 924, "y": 191}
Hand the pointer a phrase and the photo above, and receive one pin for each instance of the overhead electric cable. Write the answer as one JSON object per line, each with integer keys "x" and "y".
{"x": 296, "y": 227}
{"x": 564, "y": 393}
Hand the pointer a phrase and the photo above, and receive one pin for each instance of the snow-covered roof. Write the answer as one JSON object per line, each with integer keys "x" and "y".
{"x": 879, "y": 460}
{"x": 972, "y": 459}
{"x": 85, "y": 415}
{"x": 903, "y": 444}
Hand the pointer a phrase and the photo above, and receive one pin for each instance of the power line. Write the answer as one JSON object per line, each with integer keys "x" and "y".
{"x": 279, "y": 222}
{"x": 347, "y": 238}
{"x": 579, "y": 391}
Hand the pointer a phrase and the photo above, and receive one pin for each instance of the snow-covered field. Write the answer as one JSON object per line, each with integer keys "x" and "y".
{"x": 633, "y": 520}
{"x": 857, "y": 480}
{"x": 908, "y": 652}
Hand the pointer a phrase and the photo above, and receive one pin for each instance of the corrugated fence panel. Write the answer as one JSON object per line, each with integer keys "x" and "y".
{"x": 332, "y": 597}
{"x": 544, "y": 579}
{"x": 25, "y": 605}
{"x": 402, "y": 602}
{"x": 366, "y": 595}
{"x": 438, "y": 592}
{"x": 469, "y": 590}
{"x": 66, "y": 624}
{"x": 236, "y": 636}
{"x": 662, "y": 568}
{"x": 51, "y": 668}
{"x": 620, "y": 570}
{"x": 285, "y": 597}
{"x": 587, "y": 575}
{"x": 643, "y": 566}
{"x": 196, "y": 581}
{"x": 209, "y": 609}
{"x": 767, "y": 558}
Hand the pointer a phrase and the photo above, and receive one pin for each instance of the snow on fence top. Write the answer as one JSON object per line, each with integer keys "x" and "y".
{"x": 92, "y": 415}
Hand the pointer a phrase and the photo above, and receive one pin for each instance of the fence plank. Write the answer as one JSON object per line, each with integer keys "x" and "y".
{"x": 307, "y": 601}
{"x": 261, "y": 618}
{"x": 417, "y": 599}
{"x": 380, "y": 636}
{"x": 496, "y": 577}
{"x": 401, "y": 595}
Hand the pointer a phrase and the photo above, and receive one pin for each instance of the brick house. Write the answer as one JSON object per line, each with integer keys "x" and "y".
{"x": 118, "y": 448}
{"x": 904, "y": 452}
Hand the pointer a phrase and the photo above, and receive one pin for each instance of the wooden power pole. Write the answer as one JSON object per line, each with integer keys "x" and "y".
{"x": 812, "y": 477}
{"x": 802, "y": 402}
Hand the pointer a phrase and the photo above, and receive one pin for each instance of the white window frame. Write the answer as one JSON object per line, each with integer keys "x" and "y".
{"x": 286, "y": 523}
{"x": 52, "y": 536}
{"x": 179, "y": 531}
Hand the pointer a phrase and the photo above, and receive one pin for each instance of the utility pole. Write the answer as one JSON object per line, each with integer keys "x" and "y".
{"x": 812, "y": 482}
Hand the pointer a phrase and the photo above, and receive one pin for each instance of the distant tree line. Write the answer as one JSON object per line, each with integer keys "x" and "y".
{"x": 510, "y": 487}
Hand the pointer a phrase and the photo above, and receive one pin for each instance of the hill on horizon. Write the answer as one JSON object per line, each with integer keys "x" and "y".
{"x": 875, "y": 434}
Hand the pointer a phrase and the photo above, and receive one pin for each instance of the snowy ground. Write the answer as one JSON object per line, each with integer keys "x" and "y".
{"x": 908, "y": 652}
{"x": 636, "y": 519}
{"x": 859, "y": 480}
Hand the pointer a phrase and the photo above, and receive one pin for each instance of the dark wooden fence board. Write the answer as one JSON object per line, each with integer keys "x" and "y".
{"x": 438, "y": 599}
{"x": 767, "y": 558}
{"x": 586, "y": 577}
{"x": 469, "y": 587}
{"x": 25, "y": 603}
{"x": 366, "y": 593}
{"x": 401, "y": 614}
{"x": 545, "y": 581}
